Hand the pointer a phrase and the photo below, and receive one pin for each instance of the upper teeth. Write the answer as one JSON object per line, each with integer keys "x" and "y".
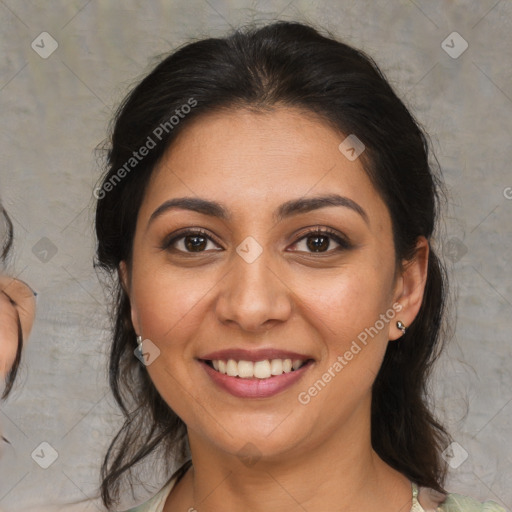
{"x": 259, "y": 369}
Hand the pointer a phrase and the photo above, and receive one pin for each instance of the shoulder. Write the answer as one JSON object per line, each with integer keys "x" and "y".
{"x": 460, "y": 503}
{"x": 157, "y": 502}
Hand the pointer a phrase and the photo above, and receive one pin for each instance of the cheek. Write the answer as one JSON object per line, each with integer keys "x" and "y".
{"x": 345, "y": 302}
{"x": 168, "y": 302}
{"x": 347, "y": 313}
{"x": 168, "y": 309}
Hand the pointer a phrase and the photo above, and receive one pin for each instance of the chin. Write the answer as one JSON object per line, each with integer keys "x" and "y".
{"x": 260, "y": 441}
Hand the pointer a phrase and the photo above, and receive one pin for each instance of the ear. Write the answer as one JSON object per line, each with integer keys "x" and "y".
{"x": 124, "y": 278}
{"x": 410, "y": 286}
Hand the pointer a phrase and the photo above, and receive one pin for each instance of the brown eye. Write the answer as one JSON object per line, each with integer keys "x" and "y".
{"x": 195, "y": 243}
{"x": 318, "y": 243}
{"x": 321, "y": 241}
{"x": 190, "y": 242}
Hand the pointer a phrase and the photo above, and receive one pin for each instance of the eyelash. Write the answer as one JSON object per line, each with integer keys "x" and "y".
{"x": 343, "y": 243}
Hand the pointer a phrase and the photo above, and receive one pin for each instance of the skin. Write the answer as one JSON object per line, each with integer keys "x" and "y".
{"x": 14, "y": 290}
{"x": 309, "y": 457}
{"x": 16, "y": 299}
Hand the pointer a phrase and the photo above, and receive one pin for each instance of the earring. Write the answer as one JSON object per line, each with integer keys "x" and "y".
{"x": 139, "y": 346}
{"x": 401, "y": 326}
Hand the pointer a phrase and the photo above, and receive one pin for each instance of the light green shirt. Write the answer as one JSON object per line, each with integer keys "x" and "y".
{"x": 452, "y": 503}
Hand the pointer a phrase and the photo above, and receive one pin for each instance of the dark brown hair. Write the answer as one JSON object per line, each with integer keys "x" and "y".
{"x": 281, "y": 64}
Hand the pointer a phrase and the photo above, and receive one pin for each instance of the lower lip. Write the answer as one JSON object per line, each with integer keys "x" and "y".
{"x": 255, "y": 388}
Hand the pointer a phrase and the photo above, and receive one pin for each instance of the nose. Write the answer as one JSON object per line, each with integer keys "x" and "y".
{"x": 253, "y": 296}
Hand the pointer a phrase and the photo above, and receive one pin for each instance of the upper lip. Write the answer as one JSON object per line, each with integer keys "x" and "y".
{"x": 240, "y": 354}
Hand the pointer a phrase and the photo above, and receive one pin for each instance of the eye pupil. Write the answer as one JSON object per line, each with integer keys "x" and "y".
{"x": 317, "y": 244}
{"x": 197, "y": 245}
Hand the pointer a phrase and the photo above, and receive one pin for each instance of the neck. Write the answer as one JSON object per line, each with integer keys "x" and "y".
{"x": 340, "y": 472}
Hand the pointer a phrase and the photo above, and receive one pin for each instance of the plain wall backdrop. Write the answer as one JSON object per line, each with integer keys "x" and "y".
{"x": 66, "y": 65}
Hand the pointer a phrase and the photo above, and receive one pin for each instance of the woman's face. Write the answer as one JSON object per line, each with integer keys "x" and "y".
{"x": 259, "y": 283}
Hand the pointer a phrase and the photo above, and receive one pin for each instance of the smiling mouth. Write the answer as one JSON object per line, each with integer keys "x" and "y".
{"x": 263, "y": 369}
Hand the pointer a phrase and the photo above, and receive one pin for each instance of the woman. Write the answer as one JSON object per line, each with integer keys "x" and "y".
{"x": 268, "y": 211}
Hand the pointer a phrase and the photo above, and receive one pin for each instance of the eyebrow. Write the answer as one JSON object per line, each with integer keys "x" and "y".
{"x": 284, "y": 211}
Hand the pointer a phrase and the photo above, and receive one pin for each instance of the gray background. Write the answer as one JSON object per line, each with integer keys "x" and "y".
{"x": 55, "y": 111}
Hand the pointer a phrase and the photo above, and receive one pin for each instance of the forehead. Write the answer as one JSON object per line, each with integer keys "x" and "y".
{"x": 257, "y": 160}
